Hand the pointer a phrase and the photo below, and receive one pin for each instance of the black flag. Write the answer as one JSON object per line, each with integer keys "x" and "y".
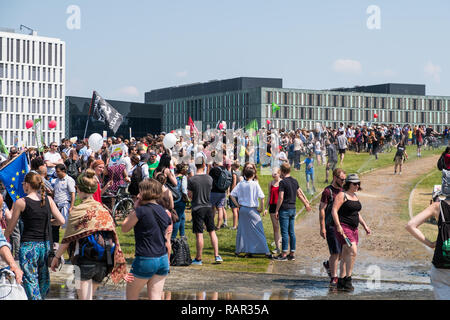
{"x": 105, "y": 113}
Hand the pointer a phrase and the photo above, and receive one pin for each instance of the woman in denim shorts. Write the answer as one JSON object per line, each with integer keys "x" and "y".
{"x": 150, "y": 222}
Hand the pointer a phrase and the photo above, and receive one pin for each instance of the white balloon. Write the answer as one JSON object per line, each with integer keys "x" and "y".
{"x": 95, "y": 142}
{"x": 169, "y": 140}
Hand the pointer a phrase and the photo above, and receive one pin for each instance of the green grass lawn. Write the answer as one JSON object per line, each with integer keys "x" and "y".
{"x": 353, "y": 163}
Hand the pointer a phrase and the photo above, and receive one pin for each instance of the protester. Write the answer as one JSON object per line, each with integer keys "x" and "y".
{"x": 309, "y": 173}
{"x": 7, "y": 260}
{"x": 90, "y": 225}
{"x": 180, "y": 204}
{"x": 346, "y": 217}
{"x": 327, "y": 226}
{"x": 73, "y": 164}
{"x": 218, "y": 195}
{"x": 64, "y": 197}
{"x": 285, "y": 211}
{"x": 400, "y": 156}
{"x": 199, "y": 190}
{"x": 52, "y": 158}
{"x": 250, "y": 237}
{"x": 332, "y": 158}
{"x": 150, "y": 222}
{"x": 274, "y": 186}
{"x": 35, "y": 210}
{"x": 342, "y": 144}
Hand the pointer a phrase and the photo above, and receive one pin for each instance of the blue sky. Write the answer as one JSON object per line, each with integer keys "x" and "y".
{"x": 125, "y": 48}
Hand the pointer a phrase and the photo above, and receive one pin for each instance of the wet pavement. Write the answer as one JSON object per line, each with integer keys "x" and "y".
{"x": 190, "y": 283}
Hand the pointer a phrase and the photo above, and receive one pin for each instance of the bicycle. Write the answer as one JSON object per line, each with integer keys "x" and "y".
{"x": 123, "y": 206}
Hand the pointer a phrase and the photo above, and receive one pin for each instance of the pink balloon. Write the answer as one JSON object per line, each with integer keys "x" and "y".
{"x": 52, "y": 124}
{"x": 29, "y": 124}
{"x": 268, "y": 121}
{"x": 221, "y": 126}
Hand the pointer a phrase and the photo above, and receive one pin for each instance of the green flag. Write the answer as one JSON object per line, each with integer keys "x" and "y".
{"x": 3, "y": 148}
{"x": 252, "y": 129}
{"x": 275, "y": 107}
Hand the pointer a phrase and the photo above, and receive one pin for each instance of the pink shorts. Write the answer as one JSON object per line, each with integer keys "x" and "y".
{"x": 351, "y": 233}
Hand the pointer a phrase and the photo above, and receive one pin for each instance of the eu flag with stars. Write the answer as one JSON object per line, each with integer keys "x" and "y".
{"x": 13, "y": 175}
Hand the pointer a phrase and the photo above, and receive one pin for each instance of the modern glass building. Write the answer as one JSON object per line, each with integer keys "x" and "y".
{"x": 241, "y": 100}
{"x": 32, "y": 85}
{"x": 140, "y": 117}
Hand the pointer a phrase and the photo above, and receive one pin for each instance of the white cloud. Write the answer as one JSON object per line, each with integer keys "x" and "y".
{"x": 433, "y": 71}
{"x": 181, "y": 74}
{"x": 130, "y": 91}
{"x": 347, "y": 66}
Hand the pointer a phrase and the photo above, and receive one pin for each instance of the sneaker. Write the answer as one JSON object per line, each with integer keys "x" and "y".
{"x": 290, "y": 257}
{"x": 333, "y": 284}
{"x": 196, "y": 262}
{"x": 219, "y": 259}
{"x": 326, "y": 265}
{"x": 348, "y": 284}
{"x": 400, "y": 173}
{"x": 281, "y": 258}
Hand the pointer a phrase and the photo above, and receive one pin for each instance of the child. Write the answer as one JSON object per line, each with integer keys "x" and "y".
{"x": 309, "y": 172}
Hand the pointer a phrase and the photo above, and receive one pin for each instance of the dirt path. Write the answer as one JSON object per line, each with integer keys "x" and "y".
{"x": 390, "y": 247}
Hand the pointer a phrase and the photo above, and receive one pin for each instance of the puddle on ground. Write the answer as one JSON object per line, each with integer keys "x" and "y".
{"x": 295, "y": 289}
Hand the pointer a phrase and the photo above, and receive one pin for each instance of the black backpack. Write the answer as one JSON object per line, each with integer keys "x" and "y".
{"x": 328, "y": 216}
{"x": 181, "y": 255}
{"x": 444, "y": 230}
{"x": 441, "y": 163}
{"x": 72, "y": 169}
{"x": 224, "y": 180}
{"x": 136, "y": 178}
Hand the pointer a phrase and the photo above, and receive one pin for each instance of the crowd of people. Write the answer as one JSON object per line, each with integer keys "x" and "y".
{"x": 206, "y": 172}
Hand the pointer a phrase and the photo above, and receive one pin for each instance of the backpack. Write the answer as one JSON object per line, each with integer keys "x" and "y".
{"x": 99, "y": 247}
{"x": 72, "y": 169}
{"x": 328, "y": 216}
{"x": 224, "y": 181}
{"x": 441, "y": 163}
{"x": 136, "y": 178}
{"x": 179, "y": 184}
{"x": 445, "y": 182}
{"x": 181, "y": 255}
{"x": 444, "y": 230}
{"x": 176, "y": 193}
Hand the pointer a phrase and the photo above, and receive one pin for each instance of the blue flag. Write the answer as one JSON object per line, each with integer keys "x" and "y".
{"x": 13, "y": 175}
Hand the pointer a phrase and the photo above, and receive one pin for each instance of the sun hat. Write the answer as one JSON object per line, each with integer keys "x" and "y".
{"x": 353, "y": 177}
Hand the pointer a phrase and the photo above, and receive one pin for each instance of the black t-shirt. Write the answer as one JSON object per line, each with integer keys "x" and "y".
{"x": 215, "y": 174}
{"x": 428, "y": 131}
{"x": 289, "y": 186}
{"x": 200, "y": 185}
{"x": 149, "y": 231}
{"x": 400, "y": 151}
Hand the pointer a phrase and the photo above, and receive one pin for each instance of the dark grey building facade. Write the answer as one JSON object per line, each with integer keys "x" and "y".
{"x": 241, "y": 100}
{"x": 142, "y": 118}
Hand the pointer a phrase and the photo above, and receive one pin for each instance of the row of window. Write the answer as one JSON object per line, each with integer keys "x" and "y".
{"x": 17, "y": 122}
{"x": 26, "y": 105}
{"x": 347, "y": 114}
{"x": 310, "y": 99}
{"x": 311, "y": 124}
{"x": 27, "y": 138}
{"x": 41, "y": 90}
{"x": 31, "y": 73}
{"x": 31, "y": 52}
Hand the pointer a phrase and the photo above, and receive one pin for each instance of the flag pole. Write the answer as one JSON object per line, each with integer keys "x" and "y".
{"x": 87, "y": 121}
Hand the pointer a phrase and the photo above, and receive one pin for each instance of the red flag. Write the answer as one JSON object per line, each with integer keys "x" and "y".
{"x": 192, "y": 125}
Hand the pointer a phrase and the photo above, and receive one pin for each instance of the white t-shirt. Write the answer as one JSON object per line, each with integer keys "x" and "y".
{"x": 52, "y": 157}
{"x": 248, "y": 193}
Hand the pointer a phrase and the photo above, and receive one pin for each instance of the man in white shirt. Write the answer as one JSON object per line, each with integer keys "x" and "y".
{"x": 342, "y": 145}
{"x": 52, "y": 158}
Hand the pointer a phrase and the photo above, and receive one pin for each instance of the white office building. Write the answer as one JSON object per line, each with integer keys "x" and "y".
{"x": 32, "y": 86}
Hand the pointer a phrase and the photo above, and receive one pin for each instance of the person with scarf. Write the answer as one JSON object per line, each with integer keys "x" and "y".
{"x": 90, "y": 218}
